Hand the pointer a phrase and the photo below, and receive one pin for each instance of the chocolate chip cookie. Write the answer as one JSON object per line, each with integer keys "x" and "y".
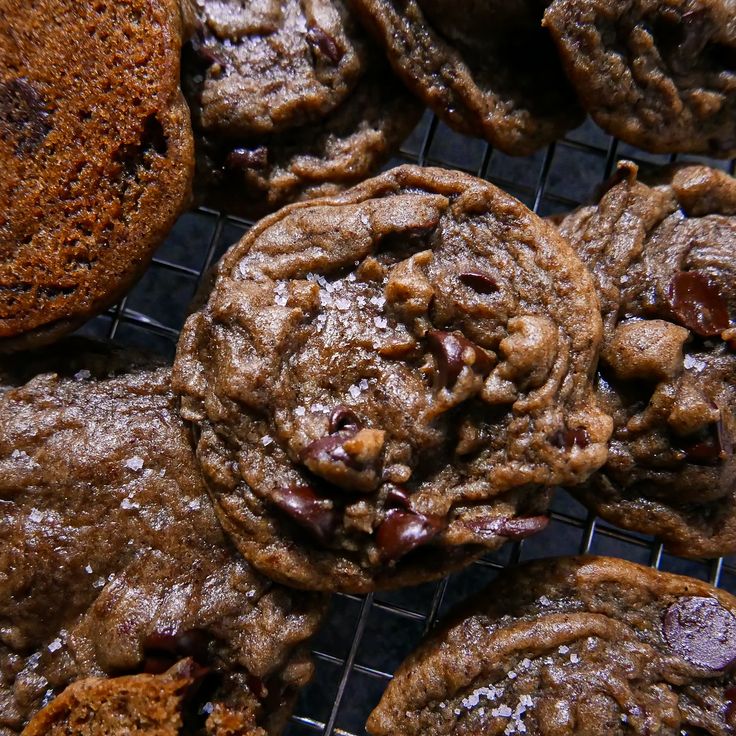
{"x": 136, "y": 704}
{"x": 261, "y": 67}
{"x": 661, "y": 76}
{"x": 664, "y": 256}
{"x": 385, "y": 383}
{"x": 96, "y": 152}
{"x": 252, "y": 177}
{"x": 587, "y": 645}
{"x": 485, "y": 68}
{"x": 329, "y": 113}
{"x": 111, "y": 558}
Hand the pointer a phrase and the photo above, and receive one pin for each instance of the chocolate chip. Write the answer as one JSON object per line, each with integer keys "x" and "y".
{"x": 483, "y": 283}
{"x": 449, "y": 350}
{"x": 247, "y": 158}
{"x": 396, "y": 496}
{"x": 403, "y": 531}
{"x": 324, "y": 43}
{"x": 708, "y": 448}
{"x": 23, "y": 115}
{"x": 701, "y": 631}
{"x": 568, "y": 438}
{"x": 695, "y": 302}
{"x": 301, "y": 503}
{"x": 344, "y": 418}
{"x": 256, "y": 686}
{"x": 518, "y": 527}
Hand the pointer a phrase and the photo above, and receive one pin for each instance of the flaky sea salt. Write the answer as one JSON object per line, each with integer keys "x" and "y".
{"x": 134, "y": 463}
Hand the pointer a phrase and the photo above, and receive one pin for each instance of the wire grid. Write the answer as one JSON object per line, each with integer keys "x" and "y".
{"x": 366, "y": 637}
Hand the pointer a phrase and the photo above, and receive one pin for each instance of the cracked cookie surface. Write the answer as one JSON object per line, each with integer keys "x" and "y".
{"x": 112, "y": 561}
{"x": 587, "y": 645}
{"x": 386, "y": 382}
{"x": 660, "y": 76}
{"x": 664, "y": 258}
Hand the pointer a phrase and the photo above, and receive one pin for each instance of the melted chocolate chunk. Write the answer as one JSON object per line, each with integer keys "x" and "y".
{"x": 696, "y": 303}
{"x": 247, "y": 158}
{"x": 701, "y": 631}
{"x": 483, "y": 283}
{"x": 344, "y": 418}
{"x": 568, "y": 438}
{"x": 23, "y": 115}
{"x": 306, "y": 509}
{"x": 403, "y": 531}
{"x": 451, "y": 353}
{"x": 324, "y": 44}
{"x": 164, "y": 649}
{"x": 397, "y": 497}
{"x": 518, "y": 527}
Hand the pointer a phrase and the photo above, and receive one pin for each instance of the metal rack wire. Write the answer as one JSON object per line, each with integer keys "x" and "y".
{"x": 365, "y": 638}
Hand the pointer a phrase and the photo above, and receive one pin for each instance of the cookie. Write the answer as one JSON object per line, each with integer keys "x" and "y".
{"x": 137, "y": 704}
{"x": 97, "y": 156}
{"x": 251, "y": 177}
{"x": 112, "y": 561}
{"x": 664, "y": 256}
{"x": 385, "y": 383}
{"x": 660, "y": 76}
{"x": 259, "y": 68}
{"x": 586, "y": 645}
{"x": 486, "y": 69}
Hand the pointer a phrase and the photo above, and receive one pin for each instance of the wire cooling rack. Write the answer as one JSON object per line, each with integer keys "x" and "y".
{"x": 366, "y": 637}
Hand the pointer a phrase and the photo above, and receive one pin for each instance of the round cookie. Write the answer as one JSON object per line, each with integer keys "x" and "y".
{"x": 162, "y": 705}
{"x": 256, "y": 176}
{"x": 262, "y": 67}
{"x": 112, "y": 561}
{"x": 385, "y": 383}
{"x": 586, "y": 645}
{"x": 486, "y": 69}
{"x": 660, "y": 76}
{"x": 97, "y": 156}
{"x": 664, "y": 256}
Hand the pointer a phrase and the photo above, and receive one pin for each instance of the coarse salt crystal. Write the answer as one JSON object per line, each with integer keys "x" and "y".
{"x": 267, "y": 440}
{"x": 380, "y": 322}
{"x": 563, "y": 649}
{"x": 544, "y": 601}
{"x": 281, "y": 300}
{"x": 574, "y": 658}
{"x": 503, "y": 711}
{"x": 98, "y": 583}
{"x": 134, "y": 463}
{"x": 195, "y": 504}
{"x": 300, "y": 411}
{"x": 354, "y": 391}
{"x": 55, "y": 645}
{"x": 126, "y": 503}
{"x": 525, "y": 664}
{"x": 363, "y": 384}
{"x": 342, "y": 304}
{"x": 36, "y": 515}
{"x": 82, "y": 375}
{"x": 88, "y": 569}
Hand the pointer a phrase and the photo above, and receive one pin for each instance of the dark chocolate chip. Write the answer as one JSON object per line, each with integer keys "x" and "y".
{"x": 302, "y": 504}
{"x": 701, "y": 631}
{"x": 403, "y": 531}
{"x": 483, "y": 283}
{"x": 247, "y": 158}
{"x": 324, "y": 43}
{"x": 448, "y": 350}
{"x": 707, "y": 448}
{"x": 695, "y": 302}
{"x": 568, "y": 438}
{"x": 344, "y": 418}
{"x": 518, "y": 527}
{"x": 329, "y": 449}
{"x": 256, "y": 686}
{"x": 23, "y": 115}
{"x": 396, "y": 496}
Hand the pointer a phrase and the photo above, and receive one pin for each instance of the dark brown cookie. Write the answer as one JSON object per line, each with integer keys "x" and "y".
{"x": 261, "y": 67}
{"x": 111, "y": 558}
{"x": 664, "y": 256}
{"x": 96, "y": 152}
{"x": 485, "y": 68}
{"x": 384, "y": 383}
{"x": 251, "y": 177}
{"x": 587, "y": 645}
{"x": 661, "y": 76}
{"x": 154, "y": 705}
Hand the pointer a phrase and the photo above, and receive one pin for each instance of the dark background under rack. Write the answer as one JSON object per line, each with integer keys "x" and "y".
{"x": 366, "y": 637}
